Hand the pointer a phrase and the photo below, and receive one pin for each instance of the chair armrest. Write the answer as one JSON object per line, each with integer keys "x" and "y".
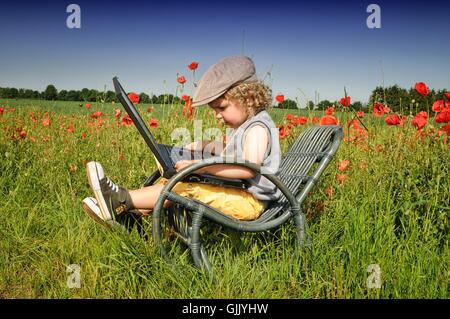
{"x": 240, "y": 225}
{"x": 232, "y": 161}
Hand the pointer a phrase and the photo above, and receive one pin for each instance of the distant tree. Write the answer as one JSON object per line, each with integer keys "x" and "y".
{"x": 37, "y": 95}
{"x": 28, "y": 94}
{"x": 110, "y": 96}
{"x": 50, "y": 92}
{"x": 84, "y": 95}
{"x": 62, "y": 95}
{"x": 73, "y": 95}
{"x": 155, "y": 99}
{"x": 322, "y": 105}
{"x": 288, "y": 104}
{"x": 395, "y": 97}
{"x": 144, "y": 98}
{"x": 94, "y": 96}
{"x": 163, "y": 99}
{"x": 357, "y": 106}
{"x": 12, "y": 93}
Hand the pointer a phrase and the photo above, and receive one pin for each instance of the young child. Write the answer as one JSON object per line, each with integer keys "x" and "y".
{"x": 239, "y": 100}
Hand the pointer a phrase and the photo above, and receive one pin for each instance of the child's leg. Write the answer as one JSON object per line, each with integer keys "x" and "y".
{"x": 145, "y": 198}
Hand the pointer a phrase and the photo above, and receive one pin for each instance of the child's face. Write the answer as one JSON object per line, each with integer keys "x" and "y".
{"x": 231, "y": 112}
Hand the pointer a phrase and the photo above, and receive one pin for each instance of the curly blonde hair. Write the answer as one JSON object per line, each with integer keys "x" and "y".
{"x": 255, "y": 96}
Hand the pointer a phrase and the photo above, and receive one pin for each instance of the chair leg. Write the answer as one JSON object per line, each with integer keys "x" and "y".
{"x": 198, "y": 252}
{"x": 300, "y": 222}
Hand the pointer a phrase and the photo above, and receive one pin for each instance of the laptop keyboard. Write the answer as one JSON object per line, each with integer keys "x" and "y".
{"x": 176, "y": 154}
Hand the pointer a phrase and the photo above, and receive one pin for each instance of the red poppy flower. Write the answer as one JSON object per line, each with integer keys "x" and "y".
{"x": 360, "y": 114}
{"x": 193, "y": 66}
{"x": 445, "y": 129}
{"x": 45, "y": 138}
{"x": 181, "y": 79}
{"x": 420, "y": 120}
{"x": 153, "y": 123}
{"x": 96, "y": 115}
{"x": 88, "y": 105}
{"x": 423, "y": 114}
{"x": 315, "y": 119}
{"x": 134, "y": 98}
{"x": 2, "y": 110}
{"x": 71, "y": 128}
{"x": 328, "y": 120}
{"x": 279, "y": 98}
{"x": 126, "y": 120}
{"x": 392, "y": 119}
{"x": 330, "y": 191}
{"x": 354, "y": 123}
{"x": 444, "y": 116}
{"x": 422, "y": 88}
{"x": 187, "y": 109}
{"x": 342, "y": 166}
{"x": 84, "y": 136}
{"x": 23, "y": 134}
{"x": 117, "y": 113}
{"x": 46, "y": 121}
{"x": 150, "y": 109}
{"x": 330, "y": 110}
{"x": 438, "y": 106}
{"x": 345, "y": 101}
{"x": 379, "y": 147}
{"x": 379, "y": 109}
{"x": 185, "y": 98}
{"x": 283, "y": 133}
{"x": 302, "y": 120}
{"x": 447, "y": 95}
{"x": 289, "y": 117}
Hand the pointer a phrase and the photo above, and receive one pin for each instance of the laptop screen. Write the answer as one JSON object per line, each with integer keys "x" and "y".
{"x": 138, "y": 121}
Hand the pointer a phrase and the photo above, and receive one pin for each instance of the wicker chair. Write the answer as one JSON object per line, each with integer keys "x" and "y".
{"x": 295, "y": 179}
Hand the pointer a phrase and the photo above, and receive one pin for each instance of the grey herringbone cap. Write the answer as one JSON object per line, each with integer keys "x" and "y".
{"x": 223, "y": 75}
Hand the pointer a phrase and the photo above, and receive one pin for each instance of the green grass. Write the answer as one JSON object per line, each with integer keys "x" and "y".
{"x": 392, "y": 211}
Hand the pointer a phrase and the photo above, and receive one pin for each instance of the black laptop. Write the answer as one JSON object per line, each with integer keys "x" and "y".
{"x": 166, "y": 155}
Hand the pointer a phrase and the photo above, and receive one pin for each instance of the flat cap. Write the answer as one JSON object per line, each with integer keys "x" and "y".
{"x": 223, "y": 75}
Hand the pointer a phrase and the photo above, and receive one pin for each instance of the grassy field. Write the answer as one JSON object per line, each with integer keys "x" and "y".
{"x": 389, "y": 208}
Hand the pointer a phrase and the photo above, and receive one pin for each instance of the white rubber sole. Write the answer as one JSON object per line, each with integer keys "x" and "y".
{"x": 94, "y": 182}
{"x": 92, "y": 210}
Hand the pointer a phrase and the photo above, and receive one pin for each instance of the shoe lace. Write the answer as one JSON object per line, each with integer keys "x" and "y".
{"x": 113, "y": 186}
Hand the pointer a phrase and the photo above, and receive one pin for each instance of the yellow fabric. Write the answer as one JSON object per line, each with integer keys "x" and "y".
{"x": 235, "y": 202}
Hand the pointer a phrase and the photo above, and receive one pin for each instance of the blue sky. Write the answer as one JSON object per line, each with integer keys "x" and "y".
{"x": 307, "y": 47}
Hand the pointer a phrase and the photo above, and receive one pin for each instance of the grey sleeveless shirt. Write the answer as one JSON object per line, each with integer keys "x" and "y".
{"x": 260, "y": 186}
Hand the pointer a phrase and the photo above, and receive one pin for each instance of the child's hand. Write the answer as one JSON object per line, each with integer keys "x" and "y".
{"x": 183, "y": 163}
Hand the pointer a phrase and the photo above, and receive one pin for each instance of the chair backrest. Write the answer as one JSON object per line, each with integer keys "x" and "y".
{"x": 317, "y": 144}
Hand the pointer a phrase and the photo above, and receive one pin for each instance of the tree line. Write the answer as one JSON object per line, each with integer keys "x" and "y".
{"x": 398, "y": 99}
{"x": 86, "y": 95}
